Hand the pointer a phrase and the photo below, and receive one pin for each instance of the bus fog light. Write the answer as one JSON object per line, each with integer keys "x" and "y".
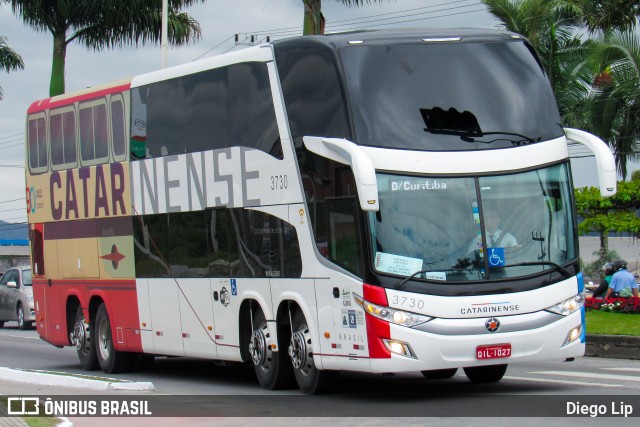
{"x": 573, "y": 335}
{"x": 399, "y": 347}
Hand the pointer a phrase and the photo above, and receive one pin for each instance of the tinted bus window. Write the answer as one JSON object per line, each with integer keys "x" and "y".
{"x": 94, "y": 142}
{"x": 117, "y": 128}
{"x": 252, "y": 118}
{"x": 216, "y": 243}
{"x": 62, "y": 129}
{"x": 225, "y": 107}
{"x": 449, "y": 96}
{"x": 182, "y": 115}
{"x": 330, "y": 191}
{"x": 268, "y": 246}
{"x": 312, "y": 94}
{"x": 37, "y": 143}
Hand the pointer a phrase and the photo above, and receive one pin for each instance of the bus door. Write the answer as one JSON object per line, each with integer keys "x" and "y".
{"x": 226, "y": 308}
{"x": 196, "y": 311}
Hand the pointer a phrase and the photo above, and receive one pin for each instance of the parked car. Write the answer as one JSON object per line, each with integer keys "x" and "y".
{"x": 16, "y": 297}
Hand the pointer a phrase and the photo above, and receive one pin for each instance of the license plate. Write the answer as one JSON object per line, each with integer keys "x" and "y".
{"x": 495, "y": 351}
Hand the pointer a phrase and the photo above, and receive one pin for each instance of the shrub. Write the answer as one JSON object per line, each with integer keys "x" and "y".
{"x": 619, "y": 305}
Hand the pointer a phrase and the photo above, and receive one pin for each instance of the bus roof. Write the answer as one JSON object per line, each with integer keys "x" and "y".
{"x": 79, "y": 95}
{"x": 399, "y": 36}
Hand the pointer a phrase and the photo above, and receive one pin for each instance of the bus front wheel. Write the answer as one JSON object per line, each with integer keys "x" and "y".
{"x": 111, "y": 361}
{"x": 273, "y": 368}
{"x": 310, "y": 379}
{"x": 485, "y": 374}
{"x": 85, "y": 345}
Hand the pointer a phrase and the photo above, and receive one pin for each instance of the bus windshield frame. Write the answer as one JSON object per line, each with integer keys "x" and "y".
{"x": 443, "y": 227}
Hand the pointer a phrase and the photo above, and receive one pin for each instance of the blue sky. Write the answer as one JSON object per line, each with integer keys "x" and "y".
{"x": 220, "y": 20}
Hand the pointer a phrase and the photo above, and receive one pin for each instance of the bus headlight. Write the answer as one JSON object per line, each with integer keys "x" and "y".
{"x": 392, "y": 315}
{"x": 568, "y": 306}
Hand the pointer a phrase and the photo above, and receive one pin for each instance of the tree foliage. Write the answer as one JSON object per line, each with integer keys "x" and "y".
{"x": 9, "y": 59}
{"x": 605, "y": 215}
{"x": 314, "y": 19}
{"x": 605, "y": 15}
{"x": 99, "y": 24}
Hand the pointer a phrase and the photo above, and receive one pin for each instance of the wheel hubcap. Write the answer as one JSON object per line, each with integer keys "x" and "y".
{"x": 81, "y": 336}
{"x": 260, "y": 347}
{"x": 20, "y": 317}
{"x": 104, "y": 339}
{"x": 299, "y": 349}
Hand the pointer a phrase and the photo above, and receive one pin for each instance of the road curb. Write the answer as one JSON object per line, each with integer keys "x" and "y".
{"x": 44, "y": 378}
{"x": 613, "y": 346}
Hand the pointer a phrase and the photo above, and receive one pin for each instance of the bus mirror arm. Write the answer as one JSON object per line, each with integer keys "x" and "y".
{"x": 605, "y": 162}
{"x": 348, "y": 153}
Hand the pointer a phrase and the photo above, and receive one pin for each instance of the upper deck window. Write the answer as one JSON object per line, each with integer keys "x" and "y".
{"x": 449, "y": 96}
{"x": 62, "y": 131}
{"x": 118, "y": 131}
{"x": 219, "y": 108}
{"x": 94, "y": 142}
{"x": 37, "y": 144}
{"x": 312, "y": 94}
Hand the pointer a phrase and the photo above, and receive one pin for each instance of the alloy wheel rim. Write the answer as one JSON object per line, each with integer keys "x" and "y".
{"x": 104, "y": 334}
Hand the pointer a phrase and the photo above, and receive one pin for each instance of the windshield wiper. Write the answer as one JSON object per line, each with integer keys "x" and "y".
{"x": 401, "y": 283}
{"x": 516, "y": 142}
{"x": 566, "y": 272}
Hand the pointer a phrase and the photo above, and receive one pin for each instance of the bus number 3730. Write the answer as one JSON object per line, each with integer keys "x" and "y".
{"x": 279, "y": 182}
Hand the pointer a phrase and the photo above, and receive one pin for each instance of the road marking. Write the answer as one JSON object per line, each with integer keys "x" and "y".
{"x": 22, "y": 336}
{"x": 542, "y": 380}
{"x": 622, "y": 369}
{"x": 589, "y": 375}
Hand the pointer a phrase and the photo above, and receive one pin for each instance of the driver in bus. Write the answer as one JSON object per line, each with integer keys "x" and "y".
{"x": 496, "y": 237}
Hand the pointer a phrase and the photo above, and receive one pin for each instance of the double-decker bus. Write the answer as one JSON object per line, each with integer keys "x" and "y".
{"x": 379, "y": 201}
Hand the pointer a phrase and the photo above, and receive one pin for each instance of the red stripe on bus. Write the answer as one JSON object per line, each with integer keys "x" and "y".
{"x": 377, "y": 329}
{"x": 47, "y": 103}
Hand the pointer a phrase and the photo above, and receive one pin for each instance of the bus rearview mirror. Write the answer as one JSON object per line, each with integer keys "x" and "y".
{"x": 348, "y": 153}
{"x": 605, "y": 162}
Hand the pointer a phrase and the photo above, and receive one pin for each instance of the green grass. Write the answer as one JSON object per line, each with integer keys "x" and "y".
{"x": 603, "y": 323}
{"x": 39, "y": 421}
{"x": 42, "y": 421}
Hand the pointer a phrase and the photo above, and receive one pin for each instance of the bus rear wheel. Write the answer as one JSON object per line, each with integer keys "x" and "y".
{"x": 485, "y": 374}
{"x": 110, "y": 360}
{"x": 85, "y": 345}
{"x": 310, "y": 379}
{"x": 273, "y": 368}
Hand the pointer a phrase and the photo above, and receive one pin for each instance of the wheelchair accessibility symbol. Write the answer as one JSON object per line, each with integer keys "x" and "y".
{"x": 496, "y": 257}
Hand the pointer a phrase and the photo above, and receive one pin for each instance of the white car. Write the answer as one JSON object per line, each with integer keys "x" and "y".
{"x": 16, "y": 297}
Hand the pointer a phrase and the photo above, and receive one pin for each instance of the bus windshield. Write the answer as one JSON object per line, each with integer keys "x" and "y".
{"x": 521, "y": 224}
{"x": 449, "y": 96}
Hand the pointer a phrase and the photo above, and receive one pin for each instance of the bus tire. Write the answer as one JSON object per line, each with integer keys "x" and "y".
{"x": 485, "y": 374}
{"x": 439, "y": 374}
{"x": 85, "y": 345}
{"x": 273, "y": 368}
{"x": 110, "y": 360}
{"x": 310, "y": 379}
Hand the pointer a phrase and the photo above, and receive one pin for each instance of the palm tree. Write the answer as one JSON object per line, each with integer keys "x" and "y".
{"x": 548, "y": 25}
{"x": 614, "y": 103}
{"x": 602, "y": 15}
{"x": 9, "y": 59}
{"x": 313, "y": 18}
{"x": 102, "y": 23}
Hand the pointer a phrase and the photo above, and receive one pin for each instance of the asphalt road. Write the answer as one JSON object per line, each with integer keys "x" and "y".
{"x": 186, "y": 387}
